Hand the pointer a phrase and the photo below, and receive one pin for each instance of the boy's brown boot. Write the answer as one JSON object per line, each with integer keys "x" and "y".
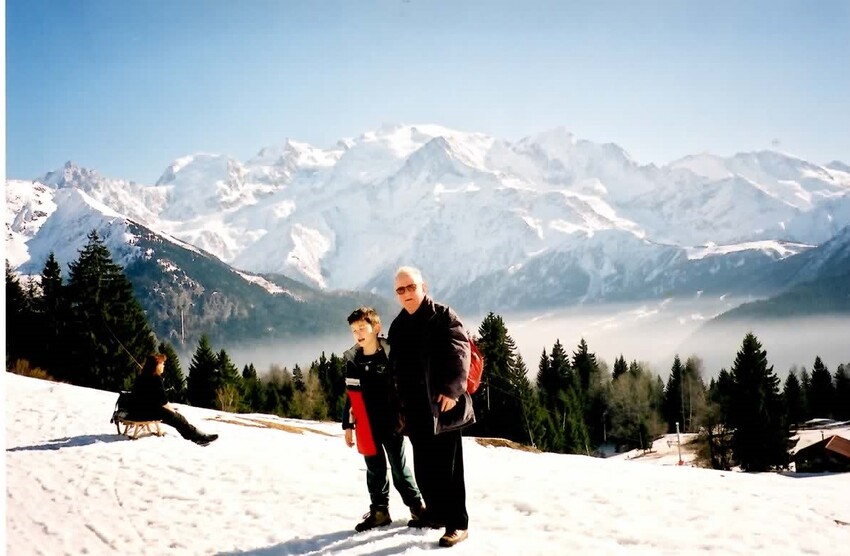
{"x": 374, "y": 518}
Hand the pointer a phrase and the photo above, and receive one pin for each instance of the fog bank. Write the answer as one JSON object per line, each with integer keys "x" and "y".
{"x": 649, "y": 332}
{"x": 654, "y": 332}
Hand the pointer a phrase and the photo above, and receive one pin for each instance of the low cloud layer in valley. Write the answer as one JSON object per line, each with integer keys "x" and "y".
{"x": 652, "y": 332}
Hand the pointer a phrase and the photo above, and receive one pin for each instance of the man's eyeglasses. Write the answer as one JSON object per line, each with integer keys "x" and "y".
{"x": 408, "y": 288}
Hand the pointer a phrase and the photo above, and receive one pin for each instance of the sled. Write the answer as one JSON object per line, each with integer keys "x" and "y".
{"x": 120, "y": 416}
{"x": 138, "y": 427}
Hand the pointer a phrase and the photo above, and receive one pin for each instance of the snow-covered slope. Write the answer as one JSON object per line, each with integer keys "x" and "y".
{"x": 282, "y": 486}
{"x": 463, "y": 206}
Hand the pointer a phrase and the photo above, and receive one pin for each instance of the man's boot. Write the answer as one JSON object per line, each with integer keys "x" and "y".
{"x": 453, "y": 536}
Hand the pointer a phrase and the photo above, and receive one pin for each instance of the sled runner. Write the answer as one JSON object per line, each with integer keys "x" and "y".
{"x": 137, "y": 426}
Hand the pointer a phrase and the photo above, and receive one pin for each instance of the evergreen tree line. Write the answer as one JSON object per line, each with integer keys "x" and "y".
{"x": 92, "y": 332}
{"x": 576, "y": 404}
{"x": 215, "y": 382}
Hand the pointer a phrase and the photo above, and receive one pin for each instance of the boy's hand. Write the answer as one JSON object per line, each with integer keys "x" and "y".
{"x": 446, "y": 403}
{"x": 349, "y": 437}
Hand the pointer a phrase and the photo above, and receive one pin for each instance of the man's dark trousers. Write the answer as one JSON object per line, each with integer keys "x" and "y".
{"x": 438, "y": 467}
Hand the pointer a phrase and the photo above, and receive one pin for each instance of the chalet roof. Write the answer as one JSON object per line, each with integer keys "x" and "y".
{"x": 836, "y": 444}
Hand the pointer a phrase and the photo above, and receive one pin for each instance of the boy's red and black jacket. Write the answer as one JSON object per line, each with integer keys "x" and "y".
{"x": 368, "y": 383}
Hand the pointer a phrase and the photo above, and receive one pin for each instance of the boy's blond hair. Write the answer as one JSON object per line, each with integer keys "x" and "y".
{"x": 365, "y": 313}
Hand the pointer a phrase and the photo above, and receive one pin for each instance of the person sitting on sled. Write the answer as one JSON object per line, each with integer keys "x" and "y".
{"x": 148, "y": 402}
{"x": 369, "y": 411}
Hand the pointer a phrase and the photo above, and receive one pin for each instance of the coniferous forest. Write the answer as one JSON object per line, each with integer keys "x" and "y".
{"x": 91, "y": 331}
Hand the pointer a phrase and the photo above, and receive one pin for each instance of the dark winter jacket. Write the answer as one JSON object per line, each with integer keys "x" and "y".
{"x": 431, "y": 357}
{"x": 374, "y": 381}
{"x": 147, "y": 398}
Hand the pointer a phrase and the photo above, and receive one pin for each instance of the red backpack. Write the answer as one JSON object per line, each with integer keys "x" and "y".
{"x": 476, "y": 368}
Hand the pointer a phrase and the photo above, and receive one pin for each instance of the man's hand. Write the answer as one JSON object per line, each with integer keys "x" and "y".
{"x": 446, "y": 403}
{"x": 349, "y": 437}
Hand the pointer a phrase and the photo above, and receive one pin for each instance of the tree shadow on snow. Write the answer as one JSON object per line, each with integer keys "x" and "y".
{"x": 339, "y": 541}
{"x": 70, "y": 442}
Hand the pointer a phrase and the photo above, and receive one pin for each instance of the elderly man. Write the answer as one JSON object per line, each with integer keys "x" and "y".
{"x": 430, "y": 364}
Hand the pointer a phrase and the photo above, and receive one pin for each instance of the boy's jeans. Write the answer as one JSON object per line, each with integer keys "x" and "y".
{"x": 376, "y": 475}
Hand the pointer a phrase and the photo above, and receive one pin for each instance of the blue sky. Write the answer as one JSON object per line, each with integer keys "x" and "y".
{"x": 127, "y": 87}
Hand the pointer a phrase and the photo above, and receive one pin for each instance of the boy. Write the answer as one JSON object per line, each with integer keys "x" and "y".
{"x": 368, "y": 409}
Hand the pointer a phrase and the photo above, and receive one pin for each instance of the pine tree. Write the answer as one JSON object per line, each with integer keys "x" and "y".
{"x": 504, "y": 403}
{"x": 53, "y": 310}
{"x": 249, "y": 372}
{"x": 620, "y": 367}
{"x": 585, "y": 366}
{"x": 229, "y": 372}
{"x": 547, "y": 381}
{"x": 281, "y": 381}
{"x": 793, "y": 397}
{"x": 674, "y": 410}
{"x": 842, "y": 393}
{"x": 172, "y": 375}
{"x": 337, "y": 374}
{"x": 298, "y": 379}
{"x": 271, "y": 396}
{"x": 228, "y": 390}
{"x": 592, "y": 393}
{"x": 821, "y": 391}
{"x": 573, "y": 425}
{"x": 497, "y": 407}
{"x": 203, "y": 376}
{"x": 560, "y": 395}
{"x": 761, "y": 440}
{"x": 722, "y": 393}
{"x": 561, "y": 369}
{"x": 109, "y": 336}
{"x": 20, "y": 320}
{"x": 805, "y": 386}
{"x": 331, "y": 374}
{"x": 253, "y": 390}
{"x": 534, "y": 421}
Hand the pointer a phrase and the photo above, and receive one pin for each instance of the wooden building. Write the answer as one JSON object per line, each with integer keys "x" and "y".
{"x": 830, "y": 454}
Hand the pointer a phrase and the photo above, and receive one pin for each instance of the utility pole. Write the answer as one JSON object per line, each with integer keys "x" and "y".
{"x": 679, "y": 444}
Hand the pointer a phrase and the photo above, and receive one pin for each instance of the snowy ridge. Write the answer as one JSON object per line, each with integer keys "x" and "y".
{"x": 75, "y": 486}
{"x": 270, "y": 287}
{"x": 462, "y": 206}
{"x": 781, "y": 249}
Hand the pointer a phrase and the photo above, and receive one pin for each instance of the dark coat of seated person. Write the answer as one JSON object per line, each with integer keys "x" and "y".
{"x": 148, "y": 402}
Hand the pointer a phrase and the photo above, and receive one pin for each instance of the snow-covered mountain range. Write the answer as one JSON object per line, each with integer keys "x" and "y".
{"x": 550, "y": 219}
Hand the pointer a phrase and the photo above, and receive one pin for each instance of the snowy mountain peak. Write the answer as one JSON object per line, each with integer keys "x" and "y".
{"x": 467, "y": 206}
{"x": 71, "y": 175}
{"x": 293, "y": 155}
{"x": 704, "y": 164}
{"x": 839, "y": 166}
{"x": 553, "y": 139}
{"x": 199, "y": 163}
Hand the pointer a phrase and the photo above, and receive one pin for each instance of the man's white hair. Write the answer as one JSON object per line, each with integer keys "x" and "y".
{"x": 411, "y": 271}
